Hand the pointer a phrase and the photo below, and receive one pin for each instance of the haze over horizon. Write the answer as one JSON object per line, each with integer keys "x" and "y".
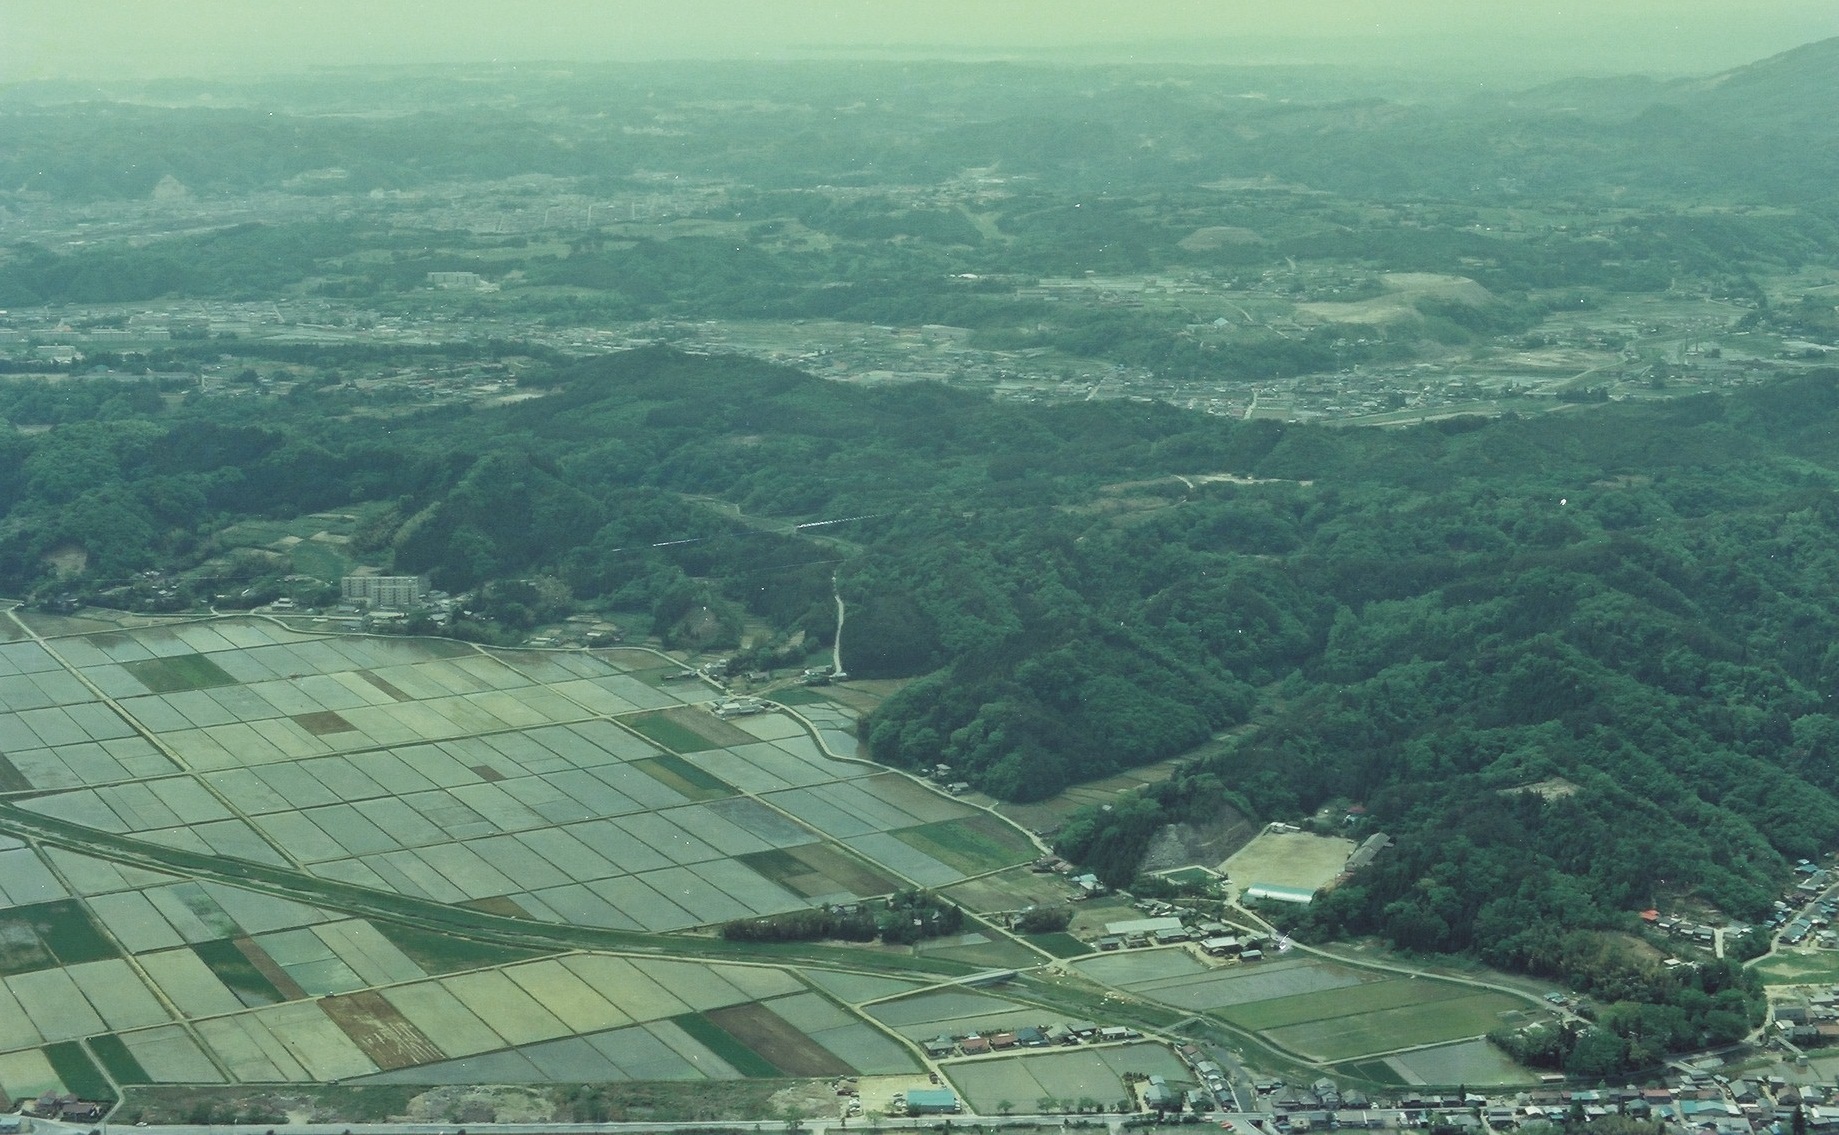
{"x": 89, "y": 40}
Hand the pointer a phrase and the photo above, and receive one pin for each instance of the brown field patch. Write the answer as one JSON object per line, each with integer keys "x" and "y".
{"x": 487, "y": 773}
{"x": 266, "y": 966}
{"x": 706, "y": 725}
{"x": 773, "y": 1037}
{"x": 684, "y": 778}
{"x": 323, "y": 722}
{"x": 385, "y": 685}
{"x": 383, "y": 1033}
{"x": 817, "y": 869}
{"x": 1013, "y": 889}
{"x": 497, "y": 904}
{"x": 631, "y": 658}
{"x": 911, "y": 796}
{"x": 1047, "y": 815}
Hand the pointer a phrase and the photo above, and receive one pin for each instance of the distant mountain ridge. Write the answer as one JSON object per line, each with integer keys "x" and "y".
{"x": 1793, "y": 90}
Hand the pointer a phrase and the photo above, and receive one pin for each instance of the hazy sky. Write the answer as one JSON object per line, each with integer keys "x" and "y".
{"x": 94, "y": 39}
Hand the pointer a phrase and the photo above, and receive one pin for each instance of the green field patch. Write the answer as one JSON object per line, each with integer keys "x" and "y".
{"x": 319, "y": 559}
{"x": 1190, "y": 877}
{"x": 790, "y": 1051}
{"x": 973, "y": 844}
{"x": 238, "y": 973}
{"x": 654, "y": 676}
{"x": 178, "y": 673}
{"x": 80, "y": 1075}
{"x": 685, "y": 778}
{"x": 321, "y": 722}
{"x": 798, "y": 695}
{"x": 1372, "y": 1071}
{"x": 49, "y": 934}
{"x": 818, "y": 869}
{"x": 995, "y": 952}
{"x": 1280, "y": 1012}
{"x": 725, "y": 1045}
{"x": 122, "y": 1067}
{"x": 1060, "y": 944}
{"x": 1388, "y": 1030}
{"x": 438, "y": 953}
{"x": 11, "y": 779}
{"x": 1464, "y": 1062}
{"x": 668, "y": 728}
{"x": 1800, "y": 969}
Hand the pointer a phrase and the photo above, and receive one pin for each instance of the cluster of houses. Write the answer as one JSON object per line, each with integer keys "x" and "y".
{"x": 1698, "y": 933}
{"x": 1807, "y": 1019}
{"x": 1088, "y": 884}
{"x": 64, "y": 1107}
{"x": 1159, "y": 1097}
{"x": 1803, "y": 912}
{"x": 1215, "y": 939}
{"x": 1699, "y": 1103}
{"x": 941, "y": 773}
{"x": 1031, "y": 1036}
{"x": 737, "y": 707}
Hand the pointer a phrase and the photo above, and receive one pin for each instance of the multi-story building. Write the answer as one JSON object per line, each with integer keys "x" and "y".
{"x": 399, "y": 591}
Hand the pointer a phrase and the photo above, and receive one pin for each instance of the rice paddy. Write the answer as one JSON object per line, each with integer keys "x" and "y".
{"x": 552, "y": 790}
{"x": 570, "y": 788}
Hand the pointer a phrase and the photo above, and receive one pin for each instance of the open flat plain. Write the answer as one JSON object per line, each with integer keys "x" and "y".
{"x": 560, "y": 789}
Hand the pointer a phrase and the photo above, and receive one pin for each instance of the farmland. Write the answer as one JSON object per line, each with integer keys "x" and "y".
{"x": 1316, "y": 1009}
{"x": 260, "y": 856}
{"x": 570, "y": 790}
{"x": 1062, "y": 1080}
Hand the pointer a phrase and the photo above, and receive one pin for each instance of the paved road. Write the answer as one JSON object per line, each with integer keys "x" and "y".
{"x": 836, "y": 645}
{"x": 1113, "y": 1123}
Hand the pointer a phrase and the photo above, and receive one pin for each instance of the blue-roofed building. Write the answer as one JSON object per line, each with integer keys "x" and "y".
{"x": 932, "y": 1101}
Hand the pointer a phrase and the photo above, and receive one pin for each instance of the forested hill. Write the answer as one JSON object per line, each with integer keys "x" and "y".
{"x": 1631, "y": 607}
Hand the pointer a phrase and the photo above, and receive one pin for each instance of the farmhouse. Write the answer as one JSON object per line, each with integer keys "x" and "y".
{"x": 1158, "y": 1096}
{"x": 1368, "y": 851}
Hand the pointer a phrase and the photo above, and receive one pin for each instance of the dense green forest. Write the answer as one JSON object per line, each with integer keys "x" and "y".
{"x": 1633, "y": 603}
{"x": 1575, "y": 665}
